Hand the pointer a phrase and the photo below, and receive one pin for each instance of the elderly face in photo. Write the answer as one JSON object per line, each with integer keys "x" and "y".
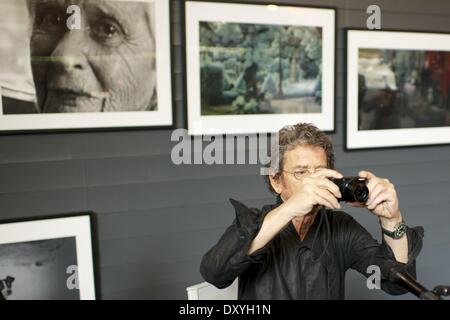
{"x": 108, "y": 64}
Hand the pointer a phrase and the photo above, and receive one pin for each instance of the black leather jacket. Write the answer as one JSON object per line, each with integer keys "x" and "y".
{"x": 288, "y": 268}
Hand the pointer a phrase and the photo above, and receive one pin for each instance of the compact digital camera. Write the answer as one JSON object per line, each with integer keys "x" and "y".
{"x": 353, "y": 189}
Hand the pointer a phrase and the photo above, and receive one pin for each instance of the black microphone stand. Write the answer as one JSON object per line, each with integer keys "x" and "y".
{"x": 442, "y": 291}
{"x": 420, "y": 291}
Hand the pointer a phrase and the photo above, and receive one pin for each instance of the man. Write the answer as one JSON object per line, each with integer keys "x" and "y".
{"x": 108, "y": 64}
{"x": 300, "y": 247}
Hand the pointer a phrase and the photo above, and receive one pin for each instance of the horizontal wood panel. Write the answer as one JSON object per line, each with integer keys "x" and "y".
{"x": 401, "y": 165}
{"x": 35, "y": 176}
{"x": 175, "y": 219}
{"x": 38, "y": 203}
{"x": 169, "y": 290}
{"x": 163, "y": 247}
{"x": 130, "y": 276}
{"x": 120, "y": 225}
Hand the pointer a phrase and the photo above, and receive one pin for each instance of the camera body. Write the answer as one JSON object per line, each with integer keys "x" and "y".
{"x": 353, "y": 189}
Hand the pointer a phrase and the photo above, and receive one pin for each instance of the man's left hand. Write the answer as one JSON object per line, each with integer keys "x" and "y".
{"x": 382, "y": 201}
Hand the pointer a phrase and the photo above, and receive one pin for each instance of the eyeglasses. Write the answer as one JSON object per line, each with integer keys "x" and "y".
{"x": 299, "y": 174}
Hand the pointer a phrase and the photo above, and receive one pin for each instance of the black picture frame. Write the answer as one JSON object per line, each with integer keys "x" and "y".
{"x": 228, "y": 120}
{"x": 162, "y": 118}
{"x": 377, "y": 137}
{"x": 40, "y": 245}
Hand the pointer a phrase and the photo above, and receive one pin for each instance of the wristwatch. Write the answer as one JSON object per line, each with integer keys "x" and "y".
{"x": 399, "y": 231}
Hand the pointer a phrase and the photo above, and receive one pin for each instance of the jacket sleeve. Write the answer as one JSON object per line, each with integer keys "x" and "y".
{"x": 228, "y": 258}
{"x": 363, "y": 251}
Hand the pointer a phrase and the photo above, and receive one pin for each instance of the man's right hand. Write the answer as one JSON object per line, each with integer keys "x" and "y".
{"x": 314, "y": 189}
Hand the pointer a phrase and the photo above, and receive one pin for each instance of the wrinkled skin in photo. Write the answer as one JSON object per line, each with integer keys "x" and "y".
{"x": 108, "y": 64}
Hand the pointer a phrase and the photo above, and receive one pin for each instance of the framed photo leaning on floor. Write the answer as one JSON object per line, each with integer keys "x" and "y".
{"x": 47, "y": 259}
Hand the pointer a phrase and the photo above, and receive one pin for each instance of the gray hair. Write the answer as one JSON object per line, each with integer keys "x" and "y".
{"x": 292, "y": 136}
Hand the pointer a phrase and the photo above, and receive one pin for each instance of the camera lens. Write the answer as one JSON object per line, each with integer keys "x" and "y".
{"x": 353, "y": 189}
{"x": 361, "y": 194}
{"x": 357, "y": 190}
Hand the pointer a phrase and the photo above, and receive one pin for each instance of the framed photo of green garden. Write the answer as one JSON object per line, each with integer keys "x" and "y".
{"x": 253, "y": 68}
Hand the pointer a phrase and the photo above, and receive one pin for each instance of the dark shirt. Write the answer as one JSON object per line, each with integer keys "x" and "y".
{"x": 289, "y": 268}
{"x": 16, "y": 106}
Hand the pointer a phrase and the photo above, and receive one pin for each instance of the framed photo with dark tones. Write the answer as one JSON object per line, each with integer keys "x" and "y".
{"x": 398, "y": 89}
{"x": 254, "y": 68}
{"x": 47, "y": 259}
{"x": 85, "y": 65}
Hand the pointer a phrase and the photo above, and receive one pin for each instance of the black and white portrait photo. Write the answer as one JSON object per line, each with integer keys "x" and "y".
{"x": 107, "y": 65}
{"x": 85, "y": 57}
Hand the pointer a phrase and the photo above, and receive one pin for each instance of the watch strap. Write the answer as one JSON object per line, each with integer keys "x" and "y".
{"x": 398, "y": 232}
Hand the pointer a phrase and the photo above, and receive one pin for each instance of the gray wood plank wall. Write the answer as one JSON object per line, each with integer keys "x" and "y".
{"x": 156, "y": 219}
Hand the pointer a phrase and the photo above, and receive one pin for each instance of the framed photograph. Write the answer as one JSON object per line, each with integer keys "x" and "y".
{"x": 85, "y": 65}
{"x": 47, "y": 259}
{"x": 398, "y": 89}
{"x": 254, "y": 68}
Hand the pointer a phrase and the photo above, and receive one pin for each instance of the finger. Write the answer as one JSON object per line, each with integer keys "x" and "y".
{"x": 379, "y": 199}
{"x": 328, "y": 197}
{"x": 366, "y": 174}
{"x": 371, "y": 183}
{"x": 374, "y": 192}
{"x": 330, "y": 186}
{"x": 371, "y": 179}
{"x": 325, "y": 203}
{"x": 319, "y": 199}
{"x": 327, "y": 173}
